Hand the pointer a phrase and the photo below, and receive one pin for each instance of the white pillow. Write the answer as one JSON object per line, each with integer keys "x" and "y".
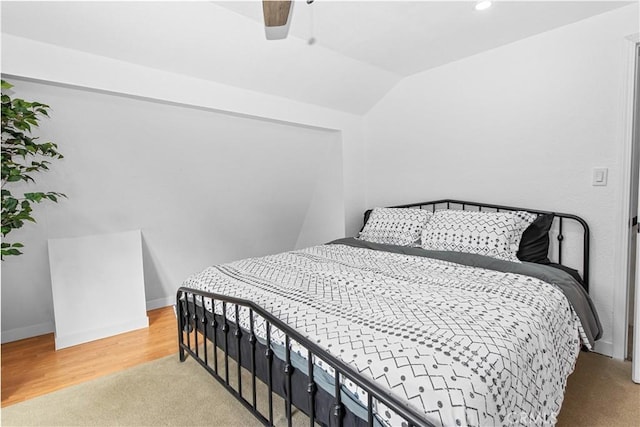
{"x": 494, "y": 234}
{"x": 395, "y": 226}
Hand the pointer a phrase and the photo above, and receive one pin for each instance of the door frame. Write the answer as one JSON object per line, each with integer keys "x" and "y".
{"x": 620, "y": 293}
{"x": 635, "y": 296}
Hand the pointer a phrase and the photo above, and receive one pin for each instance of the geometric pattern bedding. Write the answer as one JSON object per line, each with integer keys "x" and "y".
{"x": 395, "y": 226}
{"x": 494, "y": 234}
{"x": 463, "y": 345}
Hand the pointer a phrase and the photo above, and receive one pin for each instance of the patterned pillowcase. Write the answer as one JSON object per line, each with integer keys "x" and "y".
{"x": 395, "y": 226}
{"x": 494, "y": 234}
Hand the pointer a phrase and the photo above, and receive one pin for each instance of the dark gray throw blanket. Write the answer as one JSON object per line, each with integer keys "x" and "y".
{"x": 575, "y": 293}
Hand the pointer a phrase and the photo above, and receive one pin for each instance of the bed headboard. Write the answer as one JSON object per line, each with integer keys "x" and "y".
{"x": 561, "y": 222}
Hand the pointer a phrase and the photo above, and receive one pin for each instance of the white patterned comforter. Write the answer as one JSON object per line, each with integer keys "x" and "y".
{"x": 463, "y": 345}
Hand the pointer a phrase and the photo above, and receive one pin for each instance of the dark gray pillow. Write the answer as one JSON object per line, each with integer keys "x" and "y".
{"x": 534, "y": 245}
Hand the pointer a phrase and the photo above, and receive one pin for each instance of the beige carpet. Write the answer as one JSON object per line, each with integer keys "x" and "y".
{"x": 166, "y": 392}
{"x": 600, "y": 393}
{"x": 160, "y": 393}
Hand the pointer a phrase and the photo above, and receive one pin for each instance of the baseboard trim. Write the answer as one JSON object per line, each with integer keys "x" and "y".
{"x": 604, "y": 347}
{"x": 27, "y": 332}
{"x": 160, "y": 302}
{"x": 31, "y": 331}
{"x": 96, "y": 334}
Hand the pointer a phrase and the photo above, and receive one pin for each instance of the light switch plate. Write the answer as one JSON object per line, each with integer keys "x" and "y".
{"x": 600, "y": 176}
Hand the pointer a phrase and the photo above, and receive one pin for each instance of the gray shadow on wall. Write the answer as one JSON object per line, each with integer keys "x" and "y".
{"x": 151, "y": 276}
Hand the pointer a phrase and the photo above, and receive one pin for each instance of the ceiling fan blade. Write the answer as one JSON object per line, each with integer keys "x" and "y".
{"x": 276, "y": 18}
{"x": 276, "y": 12}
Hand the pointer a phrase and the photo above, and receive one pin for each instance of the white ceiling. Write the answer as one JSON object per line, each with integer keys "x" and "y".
{"x": 406, "y": 37}
{"x": 362, "y": 49}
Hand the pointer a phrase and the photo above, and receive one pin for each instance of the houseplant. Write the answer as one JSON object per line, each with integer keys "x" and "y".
{"x": 22, "y": 156}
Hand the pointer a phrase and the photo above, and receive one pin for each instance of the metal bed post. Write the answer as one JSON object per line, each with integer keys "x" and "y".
{"x": 214, "y": 327}
{"x": 187, "y": 325}
{"x": 225, "y": 330}
{"x": 560, "y": 239}
{"x": 252, "y": 341}
{"x": 338, "y": 410}
{"x": 311, "y": 389}
{"x": 194, "y": 317}
{"x": 269, "y": 356}
{"x": 288, "y": 371}
{"x": 238, "y": 336}
{"x": 180, "y": 318}
{"x": 204, "y": 333}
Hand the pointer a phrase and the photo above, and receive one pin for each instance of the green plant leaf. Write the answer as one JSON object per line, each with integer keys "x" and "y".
{"x": 10, "y": 252}
{"x": 34, "y": 197}
{"x": 22, "y": 155}
{"x": 9, "y": 204}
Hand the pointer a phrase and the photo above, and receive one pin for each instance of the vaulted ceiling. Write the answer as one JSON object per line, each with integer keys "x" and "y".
{"x": 361, "y": 50}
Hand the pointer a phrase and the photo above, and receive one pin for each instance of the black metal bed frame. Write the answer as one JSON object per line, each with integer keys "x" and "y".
{"x": 558, "y": 216}
{"x": 197, "y": 326}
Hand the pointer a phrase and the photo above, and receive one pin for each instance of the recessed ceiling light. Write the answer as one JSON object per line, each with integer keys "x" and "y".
{"x": 483, "y": 4}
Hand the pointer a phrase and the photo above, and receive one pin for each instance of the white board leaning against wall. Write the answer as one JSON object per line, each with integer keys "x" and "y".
{"x": 98, "y": 286}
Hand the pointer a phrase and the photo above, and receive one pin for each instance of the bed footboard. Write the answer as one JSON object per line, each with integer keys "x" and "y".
{"x": 249, "y": 366}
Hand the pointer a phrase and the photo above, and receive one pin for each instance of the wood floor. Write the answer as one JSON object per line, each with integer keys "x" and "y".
{"x": 32, "y": 367}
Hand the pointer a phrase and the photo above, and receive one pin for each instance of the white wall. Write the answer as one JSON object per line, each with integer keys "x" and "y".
{"x": 208, "y": 172}
{"x": 520, "y": 125}
{"x": 35, "y": 60}
{"x": 203, "y": 187}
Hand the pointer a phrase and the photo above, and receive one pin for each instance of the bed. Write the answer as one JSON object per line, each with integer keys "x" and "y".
{"x": 439, "y": 313}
